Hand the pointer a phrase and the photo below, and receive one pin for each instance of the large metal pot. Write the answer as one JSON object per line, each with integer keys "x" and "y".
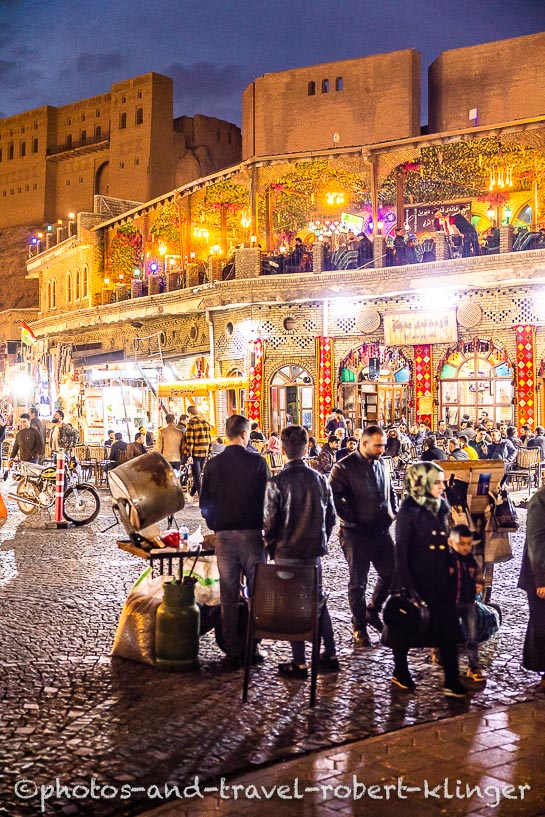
{"x": 145, "y": 490}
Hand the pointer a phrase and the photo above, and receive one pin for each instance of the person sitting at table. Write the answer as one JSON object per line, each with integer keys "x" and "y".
{"x": 119, "y": 445}
{"x": 274, "y": 446}
{"x": 137, "y": 448}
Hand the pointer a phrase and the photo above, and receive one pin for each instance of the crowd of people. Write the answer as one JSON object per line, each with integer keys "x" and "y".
{"x": 290, "y": 516}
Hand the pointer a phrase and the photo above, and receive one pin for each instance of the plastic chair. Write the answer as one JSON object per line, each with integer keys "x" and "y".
{"x": 285, "y": 606}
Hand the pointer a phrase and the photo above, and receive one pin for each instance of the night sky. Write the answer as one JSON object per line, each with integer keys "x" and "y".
{"x": 56, "y": 52}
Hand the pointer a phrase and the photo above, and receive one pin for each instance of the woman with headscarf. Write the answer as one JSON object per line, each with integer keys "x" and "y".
{"x": 421, "y": 565}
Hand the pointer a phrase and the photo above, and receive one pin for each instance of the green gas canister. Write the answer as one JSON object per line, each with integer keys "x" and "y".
{"x": 177, "y": 627}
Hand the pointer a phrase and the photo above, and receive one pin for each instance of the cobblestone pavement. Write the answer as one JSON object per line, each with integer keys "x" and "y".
{"x": 70, "y": 712}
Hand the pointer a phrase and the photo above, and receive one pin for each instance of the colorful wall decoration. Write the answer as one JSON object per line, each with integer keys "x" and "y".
{"x": 324, "y": 358}
{"x": 526, "y": 376}
{"x": 255, "y": 380}
{"x": 423, "y": 383}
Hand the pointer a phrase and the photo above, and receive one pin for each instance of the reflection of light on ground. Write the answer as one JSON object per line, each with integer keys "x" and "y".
{"x": 8, "y": 567}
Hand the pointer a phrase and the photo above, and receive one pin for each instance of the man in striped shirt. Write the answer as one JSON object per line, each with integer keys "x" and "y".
{"x": 196, "y": 445}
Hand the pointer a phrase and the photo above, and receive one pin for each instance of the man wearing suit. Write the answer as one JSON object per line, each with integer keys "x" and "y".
{"x": 365, "y": 503}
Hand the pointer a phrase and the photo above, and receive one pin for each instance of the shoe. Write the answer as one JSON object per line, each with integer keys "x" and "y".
{"x": 328, "y": 663}
{"x": 455, "y": 690}
{"x": 257, "y": 658}
{"x": 436, "y": 657}
{"x": 403, "y": 680}
{"x": 232, "y": 662}
{"x": 373, "y": 619}
{"x": 361, "y": 638}
{"x": 476, "y": 674}
{"x": 291, "y": 670}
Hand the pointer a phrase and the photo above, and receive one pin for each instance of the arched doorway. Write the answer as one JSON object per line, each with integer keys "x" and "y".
{"x": 236, "y": 397}
{"x": 102, "y": 179}
{"x": 475, "y": 378}
{"x": 374, "y": 386}
{"x": 292, "y": 398}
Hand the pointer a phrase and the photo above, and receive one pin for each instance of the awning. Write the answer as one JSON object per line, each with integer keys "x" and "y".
{"x": 88, "y": 359}
{"x": 201, "y": 387}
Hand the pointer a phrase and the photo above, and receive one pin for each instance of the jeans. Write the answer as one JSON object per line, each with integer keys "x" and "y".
{"x": 196, "y": 471}
{"x": 362, "y": 550}
{"x": 326, "y": 629}
{"x": 468, "y": 614}
{"x": 236, "y": 551}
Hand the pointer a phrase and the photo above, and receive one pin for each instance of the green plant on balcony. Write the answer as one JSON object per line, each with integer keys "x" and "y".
{"x": 125, "y": 254}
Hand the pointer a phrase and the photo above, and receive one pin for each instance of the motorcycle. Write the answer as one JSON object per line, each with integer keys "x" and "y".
{"x": 36, "y": 489}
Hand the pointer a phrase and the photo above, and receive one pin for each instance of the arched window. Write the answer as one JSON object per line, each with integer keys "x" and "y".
{"x": 69, "y": 291}
{"x": 139, "y": 116}
{"x": 311, "y": 88}
{"x": 52, "y": 294}
{"x": 84, "y": 282}
{"x": 10, "y": 150}
{"x": 339, "y": 84}
{"x": 123, "y": 121}
{"x": 23, "y": 149}
{"x": 292, "y": 398}
{"x": 475, "y": 379}
{"x": 77, "y": 282}
{"x": 35, "y": 145}
{"x": 325, "y": 86}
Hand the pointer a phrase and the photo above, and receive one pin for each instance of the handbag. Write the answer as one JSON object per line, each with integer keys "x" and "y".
{"x": 504, "y": 511}
{"x": 406, "y": 616}
{"x": 497, "y": 547}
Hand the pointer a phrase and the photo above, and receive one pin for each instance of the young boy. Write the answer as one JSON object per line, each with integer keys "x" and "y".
{"x": 299, "y": 516}
{"x": 468, "y": 581}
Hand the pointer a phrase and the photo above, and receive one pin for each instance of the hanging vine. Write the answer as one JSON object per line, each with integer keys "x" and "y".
{"x": 125, "y": 255}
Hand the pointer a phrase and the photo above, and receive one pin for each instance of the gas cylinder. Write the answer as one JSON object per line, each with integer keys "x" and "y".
{"x": 177, "y": 628}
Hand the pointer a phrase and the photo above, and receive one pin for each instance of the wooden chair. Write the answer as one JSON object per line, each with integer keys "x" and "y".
{"x": 285, "y": 606}
{"x": 526, "y": 469}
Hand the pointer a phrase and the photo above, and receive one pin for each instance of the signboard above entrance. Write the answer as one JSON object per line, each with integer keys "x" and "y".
{"x": 413, "y": 328}
{"x": 420, "y": 217}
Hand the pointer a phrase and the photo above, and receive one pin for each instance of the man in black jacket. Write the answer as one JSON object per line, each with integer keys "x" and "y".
{"x": 366, "y": 503}
{"x": 28, "y": 444}
{"x": 231, "y": 502}
{"x": 298, "y": 519}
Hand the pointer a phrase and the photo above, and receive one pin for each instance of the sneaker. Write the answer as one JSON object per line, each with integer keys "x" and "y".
{"x": 327, "y": 663}
{"x": 455, "y": 690}
{"x": 403, "y": 680}
{"x": 361, "y": 638}
{"x": 476, "y": 674}
{"x": 291, "y": 670}
{"x": 257, "y": 658}
{"x": 373, "y": 619}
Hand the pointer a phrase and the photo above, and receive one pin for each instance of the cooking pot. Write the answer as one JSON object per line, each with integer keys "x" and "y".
{"x": 145, "y": 490}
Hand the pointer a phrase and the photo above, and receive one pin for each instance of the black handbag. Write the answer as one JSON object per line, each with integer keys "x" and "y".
{"x": 406, "y": 617}
{"x": 504, "y": 511}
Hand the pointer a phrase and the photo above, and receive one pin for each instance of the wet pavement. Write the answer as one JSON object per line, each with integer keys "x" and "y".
{"x": 114, "y": 732}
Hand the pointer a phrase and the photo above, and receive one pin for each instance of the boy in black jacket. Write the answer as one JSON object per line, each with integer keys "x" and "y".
{"x": 468, "y": 581}
{"x": 299, "y": 516}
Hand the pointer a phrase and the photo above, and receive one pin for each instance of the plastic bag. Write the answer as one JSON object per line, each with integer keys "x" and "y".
{"x": 207, "y": 589}
{"x": 135, "y": 634}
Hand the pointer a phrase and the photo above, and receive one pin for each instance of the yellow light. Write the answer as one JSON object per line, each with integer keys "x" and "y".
{"x": 245, "y": 219}
{"x": 253, "y": 239}
{"x": 71, "y": 215}
{"x": 59, "y": 221}
{"x": 162, "y": 249}
{"x": 335, "y": 198}
{"x": 40, "y": 235}
{"x": 283, "y": 249}
{"x": 106, "y": 281}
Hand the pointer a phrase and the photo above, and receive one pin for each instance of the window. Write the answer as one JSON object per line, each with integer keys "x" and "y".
{"x": 34, "y": 186}
{"x": 339, "y": 84}
{"x": 97, "y": 114}
{"x": 139, "y": 116}
{"x": 35, "y": 145}
{"x": 474, "y": 380}
{"x": 137, "y": 161}
{"x": 68, "y": 182}
{"x": 68, "y": 121}
{"x": 139, "y": 95}
{"x": 69, "y": 288}
{"x": 22, "y": 149}
{"x": 123, "y": 98}
{"x": 123, "y": 121}
{"x": 83, "y": 117}
{"x": 84, "y": 282}
{"x": 10, "y": 150}
{"x": 81, "y": 179}
{"x": 52, "y": 294}
{"x": 292, "y": 393}
{"x": 68, "y": 140}
{"x": 98, "y": 132}
{"x": 311, "y": 88}
{"x": 83, "y": 137}
{"x": 35, "y": 126}
{"x": 77, "y": 281}
{"x": 121, "y": 165}
{"x": 325, "y": 86}
{"x": 23, "y": 129}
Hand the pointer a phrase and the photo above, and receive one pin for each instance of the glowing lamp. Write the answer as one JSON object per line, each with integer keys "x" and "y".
{"x": 253, "y": 239}
{"x": 59, "y": 221}
{"x": 490, "y": 213}
{"x": 71, "y": 215}
{"x": 34, "y": 240}
{"x": 283, "y": 249}
{"x": 106, "y": 282}
{"x": 507, "y": 212}
{"x": 154, "y": 267}
{"x": 380, "y": 225}
{"x": 40, "y": 235}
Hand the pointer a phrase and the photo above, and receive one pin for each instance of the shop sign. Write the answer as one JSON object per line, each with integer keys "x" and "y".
{"x": 420, "y": 217}
{"x": 413, "y": 328}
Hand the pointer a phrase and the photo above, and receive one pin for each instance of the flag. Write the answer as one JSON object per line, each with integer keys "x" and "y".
{"x": 27, "y": 335}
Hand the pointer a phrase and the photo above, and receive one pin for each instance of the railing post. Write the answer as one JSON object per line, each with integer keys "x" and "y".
{"x": 441, "y": 246}
{"x": 317, "y": 256}
{"x": 379, "y": 251}
{"x": 506, "y": 238}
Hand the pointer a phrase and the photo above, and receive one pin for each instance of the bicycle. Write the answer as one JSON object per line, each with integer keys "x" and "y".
{"x": 36, "y": 489}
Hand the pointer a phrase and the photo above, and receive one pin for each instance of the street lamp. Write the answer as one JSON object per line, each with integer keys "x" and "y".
{"x": 507, "y": 212}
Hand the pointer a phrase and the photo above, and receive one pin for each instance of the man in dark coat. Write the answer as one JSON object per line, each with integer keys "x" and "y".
{"x": 365, "y": 502}
{"x": 538, "y": 441}
{"x": 532, "y": 580}
{"x": 468, "y": 233}
{"x": 28, "y": 444}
